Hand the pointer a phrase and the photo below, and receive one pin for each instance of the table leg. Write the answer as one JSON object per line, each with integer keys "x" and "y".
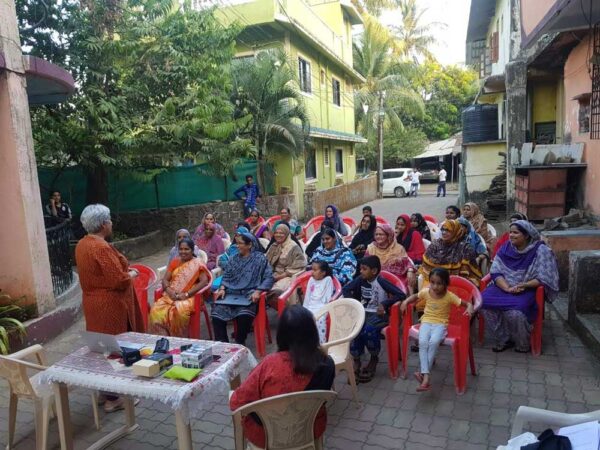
{"x": 235, "y": 382}
{"x": 184, "y": 432}
{"x": 61, "y": 395}
{"x": 124, "y": 430}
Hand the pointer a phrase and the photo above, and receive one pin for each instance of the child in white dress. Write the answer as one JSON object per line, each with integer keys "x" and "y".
{"x": 319, "y": 291}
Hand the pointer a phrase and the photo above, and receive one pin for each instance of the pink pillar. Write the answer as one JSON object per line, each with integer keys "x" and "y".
{"x": 24, "y": 263}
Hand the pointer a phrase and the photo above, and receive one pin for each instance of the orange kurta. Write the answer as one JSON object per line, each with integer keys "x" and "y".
{"x": 109, "y": 302}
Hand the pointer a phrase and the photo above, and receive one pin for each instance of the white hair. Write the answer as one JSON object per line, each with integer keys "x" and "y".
{"x": 94, "y": 216}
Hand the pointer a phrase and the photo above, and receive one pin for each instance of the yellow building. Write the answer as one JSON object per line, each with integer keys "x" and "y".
{"x": 317, "y": 37}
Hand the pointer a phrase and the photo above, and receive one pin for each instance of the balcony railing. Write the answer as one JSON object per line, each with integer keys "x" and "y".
{"x": 59, "y": 253}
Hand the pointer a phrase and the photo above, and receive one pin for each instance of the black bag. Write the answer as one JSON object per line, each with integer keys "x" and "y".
{"x": 549, "y": 441}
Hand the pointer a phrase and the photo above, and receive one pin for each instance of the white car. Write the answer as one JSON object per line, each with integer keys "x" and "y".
{"x": 396, "y": 182}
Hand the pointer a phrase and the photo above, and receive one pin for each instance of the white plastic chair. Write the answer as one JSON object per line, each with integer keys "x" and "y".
{"x": 492, "y": 231}
{"x": 13, "y": 368}
{"x": 264, "y": 242}
{"x": 433, "y": 228}
{"x": 347, "y": 317}
{"x": 549, "y": 419}
{"x": 288, "y": 420}
{"x": 426, "y": 243}
{"x": 226, "y": 243}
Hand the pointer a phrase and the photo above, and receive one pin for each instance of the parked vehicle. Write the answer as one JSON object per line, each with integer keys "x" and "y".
{"x": 396, "y": 182}
{"x": 429, "y": 171}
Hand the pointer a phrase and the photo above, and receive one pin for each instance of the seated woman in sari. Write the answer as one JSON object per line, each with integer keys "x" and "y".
{"x": 509, "y": 305}
{"x": 505, "y": 236}
{"x": 186, "y": 275}
{"x": 409, "y": 238}
{"x": 474, "y": 240}
{"x": 211, "y": 244}
{"x": 248, "y": 273}
{"x": 473, "y": 214}
{"x": 286, "y": 217}
{"x": 364, "y": 236}
{"x": 183, "y": 233}
{"x": 208, "y": 219}
{"x": 315, "y": 241}
{"x": 287, "y": 260}
{"x": 224, "y": 258}
{"x": 258, "y": 226}
{"x": 392, "y": 256}
{"x": 333, "y": 252}
{"x": 332, "y": 214}
{"x": 452, "y": 253}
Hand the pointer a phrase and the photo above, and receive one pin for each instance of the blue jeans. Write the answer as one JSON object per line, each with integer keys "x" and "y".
{"x": 414, "y": 187}
{"x": 441, "y": 188}
{"x": 431, "y": 335}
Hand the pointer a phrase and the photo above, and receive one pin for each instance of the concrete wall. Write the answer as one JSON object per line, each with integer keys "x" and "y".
{"x": 577, "y": 81}
{"x": 564, "y": 243}
{"x": 139, "y": 247}
{"x": 501, "y": 23}
{"x": 169, "y": 220}
{"x": 533, "y": 11}
{"x": 481, "y": 163}
{"x": 345, "y": 197}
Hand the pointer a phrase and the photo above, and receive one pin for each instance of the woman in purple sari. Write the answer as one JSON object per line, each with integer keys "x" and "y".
{"x": 521, "y": 265}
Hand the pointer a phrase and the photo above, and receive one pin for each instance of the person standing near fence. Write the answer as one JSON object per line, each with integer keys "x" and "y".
{"x": 442, "y": 174}
{"x": 249, "y": 192}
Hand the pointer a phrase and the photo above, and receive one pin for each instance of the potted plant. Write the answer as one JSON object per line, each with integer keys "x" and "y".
{"x": 11, "y": 317}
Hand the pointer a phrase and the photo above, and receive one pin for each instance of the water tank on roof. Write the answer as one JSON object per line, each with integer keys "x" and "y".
{"x": 480, "y": 123}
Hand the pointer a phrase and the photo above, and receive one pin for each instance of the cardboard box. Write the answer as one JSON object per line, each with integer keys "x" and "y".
{"x": 146, "y": 368}
{"x": 197, "y": 357}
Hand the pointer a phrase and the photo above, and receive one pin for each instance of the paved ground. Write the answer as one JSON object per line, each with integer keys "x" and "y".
{"x": 391, "y": 414}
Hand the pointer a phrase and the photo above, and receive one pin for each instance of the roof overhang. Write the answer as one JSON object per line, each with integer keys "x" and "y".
{"x": 451, "y": 146}
{"x": 562, "y": 15}
{"x": 480, "y": 16}
{"x": 494, "y": 84}
{"x": 351, "y": 12}
{"x": 47, "y": 83}
{"x": 322, "y": 133}
{"x": 293, "y": 25}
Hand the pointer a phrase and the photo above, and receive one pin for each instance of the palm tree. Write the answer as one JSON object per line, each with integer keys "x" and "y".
{"x": 374, "y": 7}
{"x": 413, "y": 38}
{"x": 266, "y": 88}
{"x": 384, "y": 72}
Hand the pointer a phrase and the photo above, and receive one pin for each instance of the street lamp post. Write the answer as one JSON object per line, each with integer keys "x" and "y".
{"x": 380, "y": 144}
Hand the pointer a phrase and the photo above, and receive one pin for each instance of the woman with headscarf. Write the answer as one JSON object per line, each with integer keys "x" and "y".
{"x": 314, "y": 241}
{"x": 333, "y": 252}
{"x": 332, "y": 214}
{"x": 258, "y": 226}
{"x": 409, "y": 238}
{"x": 473, "y": 214}
{"x": 287, "y": 260}
{"x": 209, "y": 218}
{"x": 504, "y": 238}
{"x": 181, "y": 234}
{"x": 452, "y": 253}
{"x": 364, "y": 236}
{"x": 393, "y": 256}
{"x": 419, "y": 223}
{"x": 473, "y": 238}
{"x": 249, "y": 274}
{"x": 242, "y": 227}
{"x": 210, "y": 243}
{"x": 509, "y": 304}
{"x": 186, "y": 275}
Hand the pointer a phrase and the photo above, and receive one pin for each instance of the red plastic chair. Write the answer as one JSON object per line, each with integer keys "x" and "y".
{"x": 459, "y": 329}
{"x": 301, "y": 282}
{"x": 142, "y": 284}
{"x": 392, "y": 331}
{"x": 536, "y": 332}
{"x": 380, "y": 220}
{"x": 350, "y": 222}
{"x": 262, "y": 328}
{"x": 199, "y": 307}
{"x": 431, "y": 219}
{"x": 312, "y": 227}
{"x": 499, "y": 243}
{"x": 271, "y": 221}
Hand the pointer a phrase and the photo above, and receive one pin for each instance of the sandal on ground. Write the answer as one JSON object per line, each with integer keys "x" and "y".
{"x": 419, "y": 377}
{"x": 498, "y": 349}
{"x": 424, "y": 387}
{"x": 520, "y": 350}
{"x": 368, "y": 372}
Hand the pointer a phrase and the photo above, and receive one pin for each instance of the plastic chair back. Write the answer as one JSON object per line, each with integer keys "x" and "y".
{"x": 347, "y": 318}
{"x": 465, "y": 290}
{"x": 142, "y": 284}
{"x": 394, "y": 280}
{"x": 433, "y": 228}
{"x": 429, "y": 218}
{"x": 426, "y": 243}
{"x": 226, "y": 243}
{"x": 15, "y": 373}
{"x": 271, "y": 221}
{"x": 380, "y": 220}
{"x": 312, "y": 226}
{"x": 492, "y": 231}
{"x": 264, "y": 242}
{"x": 350, "y": 222}
{"x": 301, "y": 283}
{"x": 288, "y": 420}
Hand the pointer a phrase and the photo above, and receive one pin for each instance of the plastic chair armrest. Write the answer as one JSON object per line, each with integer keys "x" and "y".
{"x": 35, "y": 350}
{"x": 326, "y": 345}
{"x": 485, "y": 281}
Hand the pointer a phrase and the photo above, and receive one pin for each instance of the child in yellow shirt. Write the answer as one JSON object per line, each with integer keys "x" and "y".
{"x": 434, "y": 322}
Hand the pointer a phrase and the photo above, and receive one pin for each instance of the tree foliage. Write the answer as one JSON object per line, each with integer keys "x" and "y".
{"x": 413, "y": 37}
{"x": 152, "y": 83}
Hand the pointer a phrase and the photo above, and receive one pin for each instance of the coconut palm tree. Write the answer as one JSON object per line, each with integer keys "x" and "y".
{"x": 265, "y": 87}
{"x": 413, "y": 38}
{"x": 384, "y": 72}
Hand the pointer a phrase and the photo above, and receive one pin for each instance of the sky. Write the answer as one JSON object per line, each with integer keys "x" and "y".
{"x": 455, "y": 15}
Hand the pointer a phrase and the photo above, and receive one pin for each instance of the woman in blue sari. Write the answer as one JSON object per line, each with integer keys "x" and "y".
{"x": 509, "y": 307}
{"x": 333, "y": 252}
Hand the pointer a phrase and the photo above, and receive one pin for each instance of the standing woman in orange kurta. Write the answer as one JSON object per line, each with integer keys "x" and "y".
{"x": 109, "y": 302}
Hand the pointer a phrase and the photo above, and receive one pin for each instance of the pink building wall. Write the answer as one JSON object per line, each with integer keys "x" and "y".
{"x": 533, "y": 11}
{"x": 577, "y": 80}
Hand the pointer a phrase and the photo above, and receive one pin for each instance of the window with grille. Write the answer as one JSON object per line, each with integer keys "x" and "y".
{"x": 304, "y": 75}
{"x": 326, "y": 156}
{"x": 336, "y": 89}
{"x": 339, "y": 161}
{"x": 583, "y": 116}
{"x": 495, "y": 47}
{"x": 595, "y": 103}
{"x": 310, "y": 165}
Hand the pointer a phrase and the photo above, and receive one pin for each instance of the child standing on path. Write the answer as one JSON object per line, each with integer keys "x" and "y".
{"x": 434, "y": 322}
{"x": 319, "y": 291}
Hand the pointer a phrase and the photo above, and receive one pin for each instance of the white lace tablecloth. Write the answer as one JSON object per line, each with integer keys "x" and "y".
{"x": 94, "y": 371}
